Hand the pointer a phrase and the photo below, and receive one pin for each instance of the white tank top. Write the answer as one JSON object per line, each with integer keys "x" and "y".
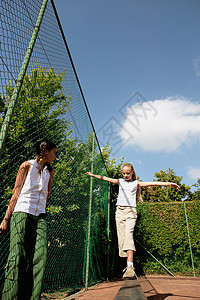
{"x": 127, "y": 193}
{"x": 33, "y": 196}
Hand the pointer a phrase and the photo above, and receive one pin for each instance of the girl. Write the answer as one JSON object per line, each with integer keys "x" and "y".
{"x": 126, "y": 214}
{"x": 28, "y": 240}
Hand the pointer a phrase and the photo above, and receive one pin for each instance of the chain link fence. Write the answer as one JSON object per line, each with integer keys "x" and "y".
{"x": 50, "y": 104}
{"x": 47, "y": 101}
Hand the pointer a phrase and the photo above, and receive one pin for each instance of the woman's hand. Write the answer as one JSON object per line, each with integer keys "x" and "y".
{"x": 4, "y": 226}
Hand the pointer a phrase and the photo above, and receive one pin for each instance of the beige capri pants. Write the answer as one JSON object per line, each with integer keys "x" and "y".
{"x": 125, "y": 222}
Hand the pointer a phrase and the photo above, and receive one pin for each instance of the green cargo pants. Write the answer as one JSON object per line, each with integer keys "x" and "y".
{"x": 27, "y": 258}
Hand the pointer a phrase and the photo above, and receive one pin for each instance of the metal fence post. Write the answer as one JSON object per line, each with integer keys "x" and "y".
{"x": 89, "y": 218}
{"x": 188, "y": 231}
{"x": 20, "y": 78}
{"x": 108, "y": 235}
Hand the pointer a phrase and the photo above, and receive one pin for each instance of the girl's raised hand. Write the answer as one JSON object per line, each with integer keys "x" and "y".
{"x": 175, "y": 186}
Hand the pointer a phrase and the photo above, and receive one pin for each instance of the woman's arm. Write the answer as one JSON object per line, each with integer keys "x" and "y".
{"x": 19, "y": 182}
{"x": 104, "y": 178}
{"x": 159, "y": 183}
{"x": 50, "y": 183}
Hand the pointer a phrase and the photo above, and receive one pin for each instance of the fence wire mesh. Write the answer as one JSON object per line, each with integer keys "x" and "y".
{"x": 168, "y": 232}
{"x": 51, "y": 105}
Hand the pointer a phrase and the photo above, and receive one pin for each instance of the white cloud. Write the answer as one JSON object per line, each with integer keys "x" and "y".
{"x": 194, "y": 173}
{"x": 162, "y": 125}
{"x": 196, "y": 63}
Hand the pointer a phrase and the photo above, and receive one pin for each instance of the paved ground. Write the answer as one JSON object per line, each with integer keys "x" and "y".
{"x": 106, "y": 291}
{"x": 154, "y": 288}
{"x": 170, "y": 288}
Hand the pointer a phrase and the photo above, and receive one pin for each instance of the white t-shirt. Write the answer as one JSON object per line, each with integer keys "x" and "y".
{"x": 33, "y": 196}
{"x": 127, "y": 193}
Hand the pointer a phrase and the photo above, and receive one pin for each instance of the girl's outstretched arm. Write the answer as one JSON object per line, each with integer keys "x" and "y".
{"x": 104, "y": 178}
{"x": 159, "y": 183}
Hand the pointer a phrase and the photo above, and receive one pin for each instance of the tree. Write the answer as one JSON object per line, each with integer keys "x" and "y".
{"x": 166, "y": 194}
{"x": 39, "y": 113}
{"x": 114, "y": 170}
{"x": 196, "y": 193}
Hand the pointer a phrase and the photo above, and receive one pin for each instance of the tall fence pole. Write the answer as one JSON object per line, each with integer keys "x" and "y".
{"x": 89, "y": 219}
{"x": 188, "y": 231}
{"x": 108, "y": 235}
{"x": 20, "y": 78}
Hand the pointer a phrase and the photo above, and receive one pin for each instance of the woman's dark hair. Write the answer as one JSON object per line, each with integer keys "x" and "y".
{"x": 41, "y": 146}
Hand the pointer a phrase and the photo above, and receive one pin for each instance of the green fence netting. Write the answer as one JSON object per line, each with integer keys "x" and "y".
{"x": 82, "y": 243}
{"x": 50, "y": 104}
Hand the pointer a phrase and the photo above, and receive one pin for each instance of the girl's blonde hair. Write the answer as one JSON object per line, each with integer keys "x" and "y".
{"x": 134, "y": 176}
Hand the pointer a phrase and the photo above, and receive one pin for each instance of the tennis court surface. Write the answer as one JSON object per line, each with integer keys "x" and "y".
{"x": 146, "y": 287}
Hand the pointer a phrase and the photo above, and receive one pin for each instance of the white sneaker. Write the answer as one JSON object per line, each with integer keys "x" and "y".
{"x": 129, "y": 272}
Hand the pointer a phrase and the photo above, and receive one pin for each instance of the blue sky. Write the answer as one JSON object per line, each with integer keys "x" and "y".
{"x": 138, "y": 62}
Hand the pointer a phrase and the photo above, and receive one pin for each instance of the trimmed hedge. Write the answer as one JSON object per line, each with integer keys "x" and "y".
{"x": 162, "y": 230}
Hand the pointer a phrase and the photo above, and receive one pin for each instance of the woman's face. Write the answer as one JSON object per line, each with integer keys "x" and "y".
{"x": 127, "y": 173}
{"x": 50, "y": 156}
